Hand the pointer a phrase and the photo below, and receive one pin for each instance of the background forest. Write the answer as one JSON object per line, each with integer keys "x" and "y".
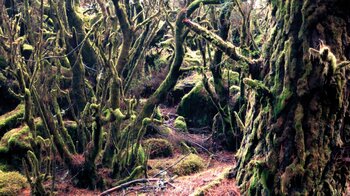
{"x": 116, "y": 97}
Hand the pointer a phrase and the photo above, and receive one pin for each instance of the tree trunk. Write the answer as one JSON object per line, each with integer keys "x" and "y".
{"x": 292, "y": 142}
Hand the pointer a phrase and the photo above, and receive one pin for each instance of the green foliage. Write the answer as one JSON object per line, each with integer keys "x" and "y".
{"x": 180, "y": 124}
{"x": 191, "y": 164}
{"x": 11, "y": 183}
{"x": 158, "y": 147}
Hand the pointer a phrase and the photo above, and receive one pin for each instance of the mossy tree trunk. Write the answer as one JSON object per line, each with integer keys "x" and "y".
{"x": 293, "y": 140}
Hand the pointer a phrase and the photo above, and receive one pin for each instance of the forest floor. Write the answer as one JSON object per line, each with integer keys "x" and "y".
{"x": 181, "y": 186}
{"x": 210, "y": 180}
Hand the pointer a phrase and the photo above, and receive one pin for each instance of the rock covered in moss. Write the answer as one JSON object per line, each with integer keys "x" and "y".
{"x": 197, "y": 108}
{"x": 159, "y": 147}
{"x": 182, "y": 87}
{"x": 11, "y": 119}
{"x": 16, "y": 140}
{"x": 191, "y": 164}
{"x": 11, "y": 183}
{"x": 180, "y": 124}
{"x": 14, "y": 146}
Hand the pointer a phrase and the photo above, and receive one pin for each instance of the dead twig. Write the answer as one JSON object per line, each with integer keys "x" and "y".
{"x": 127, "y": 184}
{"x": 141, "y": 180}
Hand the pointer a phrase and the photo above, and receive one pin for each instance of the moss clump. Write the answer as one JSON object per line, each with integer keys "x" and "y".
{"x": 14, "y": 146}
{"x": 11, "y": 119}
{"x": 159, "y": 148}
{"x": 11, "y": 183}
{"x": 16, "y": 139}
{"x": 191, "y": 164}
{"x": 180, "y": 124}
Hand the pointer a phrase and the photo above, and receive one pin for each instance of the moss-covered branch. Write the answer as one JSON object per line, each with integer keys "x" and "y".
{"x": 127, "y": 35}
{"x": 228, "y": 48}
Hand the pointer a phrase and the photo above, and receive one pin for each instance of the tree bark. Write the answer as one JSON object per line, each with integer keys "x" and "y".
{"x": 292, "y": 142}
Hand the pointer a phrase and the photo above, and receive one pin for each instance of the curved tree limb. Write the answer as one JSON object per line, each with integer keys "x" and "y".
{"x": 216, "y": 40}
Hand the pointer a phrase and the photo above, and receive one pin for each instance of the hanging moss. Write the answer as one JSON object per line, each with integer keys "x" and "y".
{"x": 11, "y": 183}
{"x": 180, "y": 124}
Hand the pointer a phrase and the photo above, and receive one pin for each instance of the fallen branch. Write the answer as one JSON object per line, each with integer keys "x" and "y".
{"x": 141, "y": 180}
{"x": 127, "y": 184}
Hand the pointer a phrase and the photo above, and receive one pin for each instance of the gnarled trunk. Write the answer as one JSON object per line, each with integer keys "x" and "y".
{"x": 293, "y": 140}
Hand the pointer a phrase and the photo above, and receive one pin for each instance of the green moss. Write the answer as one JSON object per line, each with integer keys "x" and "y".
{"x": 4, "y": 167}
{"x": 157, "y": 129}
{"x": 11, "y": 119}
{"x": 231, "y": 75}
{"x": 191, "y": 164}
{"x": 11, "y": 183}
{"x": 180, "y": 124}
{"x": 129, "y": 159}
{"x": 158, "y": 114}
{"x": 16, "y": 139}
{"x": 282, "y": 100}
{"x": 204, "y": 190}
{"x": 27, "y": 47}
{"x": 158, "y": 148}
{"x": 197, "y": 108}
{"x": 14, "y": 146}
